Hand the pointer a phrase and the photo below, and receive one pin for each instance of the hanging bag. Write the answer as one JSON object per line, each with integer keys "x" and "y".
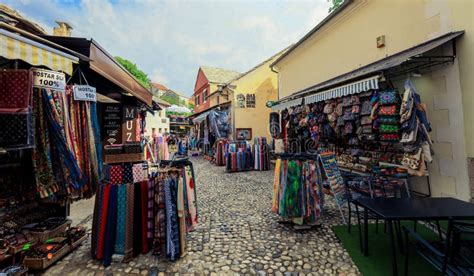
{"x": 388, "y": 97}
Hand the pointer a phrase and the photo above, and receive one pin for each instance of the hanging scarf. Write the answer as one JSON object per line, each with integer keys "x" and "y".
{"x": 121, "y": 219}
{"x": 45, "y": 182}
{"x": 129, "y": 223}
{"x": 160, "y": 214}
{"x": 172, "y": 231}
{"x": 57, "y": 122}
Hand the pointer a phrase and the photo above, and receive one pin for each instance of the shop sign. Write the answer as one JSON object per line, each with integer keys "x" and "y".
{"x": 112, "y": 118}
{"x": 84, "y": 93}
{"x": 129, "y": 127}
{"x": 240, "y": 101}
{"x": 49, "y": 79}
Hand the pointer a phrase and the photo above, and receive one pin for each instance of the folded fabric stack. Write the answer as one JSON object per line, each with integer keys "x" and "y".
{"x": 220, "y": 152}
{"x": 261, "y": 152}
{"x": 239, "y": 157}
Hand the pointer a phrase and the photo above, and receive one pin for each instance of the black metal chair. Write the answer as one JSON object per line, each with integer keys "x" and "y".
{"x": 449, "y": 256}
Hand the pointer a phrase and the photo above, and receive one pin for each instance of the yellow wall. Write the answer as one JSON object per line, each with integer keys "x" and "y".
{"x": 348, "y": 41}
{"x": 263, "y": 83}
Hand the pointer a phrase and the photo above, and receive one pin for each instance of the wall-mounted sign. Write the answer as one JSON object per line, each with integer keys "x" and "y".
{"x": 129, "y": 127}
{"x": 49, "y": 79}
{"x": 112, "y": 124}
{"x": 269, "y": 104}
{"x": 84, "y": 93}
{"x": 240, "y": 101}
{"x": 243, "y": 133}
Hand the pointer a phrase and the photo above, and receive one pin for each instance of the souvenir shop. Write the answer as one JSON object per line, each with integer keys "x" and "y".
{"x": 140, "y": 206}
{"x": 50, "y": 153}
{"x": 369, "y": 136}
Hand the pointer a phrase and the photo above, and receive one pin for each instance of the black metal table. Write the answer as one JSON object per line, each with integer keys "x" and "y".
{"x": 393, "y": 210}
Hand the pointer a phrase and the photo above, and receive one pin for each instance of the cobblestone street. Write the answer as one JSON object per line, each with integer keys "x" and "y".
{"x": 237, "y": 234}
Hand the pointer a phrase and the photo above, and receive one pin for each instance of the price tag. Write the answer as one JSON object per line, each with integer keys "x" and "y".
{"x": 84, "y": 93}
{"x": 49, "y": 79}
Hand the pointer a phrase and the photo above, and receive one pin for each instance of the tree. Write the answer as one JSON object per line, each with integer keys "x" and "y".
{"x": 132, "y": 68}
{"x": 335, "y": 4}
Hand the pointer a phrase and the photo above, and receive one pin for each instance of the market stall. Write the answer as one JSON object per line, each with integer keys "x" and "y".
{"x": 378, "y": 136}
{"x": 49, "y": 154}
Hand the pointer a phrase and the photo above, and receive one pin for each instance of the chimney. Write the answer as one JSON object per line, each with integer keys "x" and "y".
{"x": 63, "y": 29}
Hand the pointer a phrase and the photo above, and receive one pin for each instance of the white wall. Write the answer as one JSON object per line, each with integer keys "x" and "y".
{"x": 441, "y": 92}
{"x": 159, "y": 121}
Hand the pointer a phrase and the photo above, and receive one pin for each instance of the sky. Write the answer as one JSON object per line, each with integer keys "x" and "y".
{"x": 169, "y": 40}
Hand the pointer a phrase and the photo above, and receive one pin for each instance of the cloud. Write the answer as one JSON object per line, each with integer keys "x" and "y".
{"x": 158, "y": 76}
{"x": 169, "y": 40}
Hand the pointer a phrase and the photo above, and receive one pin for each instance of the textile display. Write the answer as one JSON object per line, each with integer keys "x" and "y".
{"x": 154, "y": 214}
{"x": 15, "y": 90}
{"x": 16, "y": 114}
{"x": 415, "y": 129}
{"x": 275, "y": 128}
{"x": 62, "y": 163}
{"x": 261, "y": 154}
{"x": 239, "y": 157}
{"x": 219, "y": 123}
{"x": 220, "y": 152}
{"x": 297, "y": 190}
{"x": 17, "y": 130}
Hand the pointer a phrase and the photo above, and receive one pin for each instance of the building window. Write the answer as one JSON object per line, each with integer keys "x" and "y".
{"x": 218, "y": 100}
{"x": 204, "y": 95}
{"x": 159, "y": 130}
{"x": 250, "y": 100}
{"x": 166, "y": 130}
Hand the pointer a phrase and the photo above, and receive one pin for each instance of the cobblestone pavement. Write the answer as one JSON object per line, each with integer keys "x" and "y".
{"x": 237, "y": 234}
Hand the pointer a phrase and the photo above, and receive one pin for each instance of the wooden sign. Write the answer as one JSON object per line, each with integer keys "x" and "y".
{"x": 112, "y": 124}
{"x": 129, "y": 127}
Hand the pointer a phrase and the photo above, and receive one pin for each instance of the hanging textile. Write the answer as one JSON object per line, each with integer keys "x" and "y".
{"x": 172, "y": 228}
{"x": 297, "y": 190}
{"x": 16, "y": 109}
{"x": 121, "y": 219}
{"x": 220, "y": 152}
{"x": 155, "y": 214}
{"x": 261, "y": 154}
{"x": 239, "y": 157}
{"x": 159, "y": 239}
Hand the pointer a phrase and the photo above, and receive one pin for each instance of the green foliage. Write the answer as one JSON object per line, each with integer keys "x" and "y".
{"x": 131, "y": 67}
{"x": 170, "y": 99}
{"x": 335, "y": 4}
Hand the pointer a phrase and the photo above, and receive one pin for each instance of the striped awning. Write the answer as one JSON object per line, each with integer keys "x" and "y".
{"x": 288, "y": 104}
{"x": 13, "y": 46}
{"x": 344, "y": 90}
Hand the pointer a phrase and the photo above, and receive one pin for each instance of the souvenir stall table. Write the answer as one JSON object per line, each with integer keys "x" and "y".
{"x": 54, "y": 137}
{"x": 379, "y": 138}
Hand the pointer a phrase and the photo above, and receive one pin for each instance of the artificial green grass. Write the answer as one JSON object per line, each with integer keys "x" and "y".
{"x": 379, "y": 261}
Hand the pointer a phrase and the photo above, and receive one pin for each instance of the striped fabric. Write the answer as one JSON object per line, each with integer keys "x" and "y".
{"x": 13, "y": 46}
{"x": 340, "y": 91}
{"x": 287, "y": 104}
{"x": 344, "y": 90}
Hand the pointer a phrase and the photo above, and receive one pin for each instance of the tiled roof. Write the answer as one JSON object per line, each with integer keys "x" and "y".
{"x": 159, "y": 86}
{"x": 218, "y": 75}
